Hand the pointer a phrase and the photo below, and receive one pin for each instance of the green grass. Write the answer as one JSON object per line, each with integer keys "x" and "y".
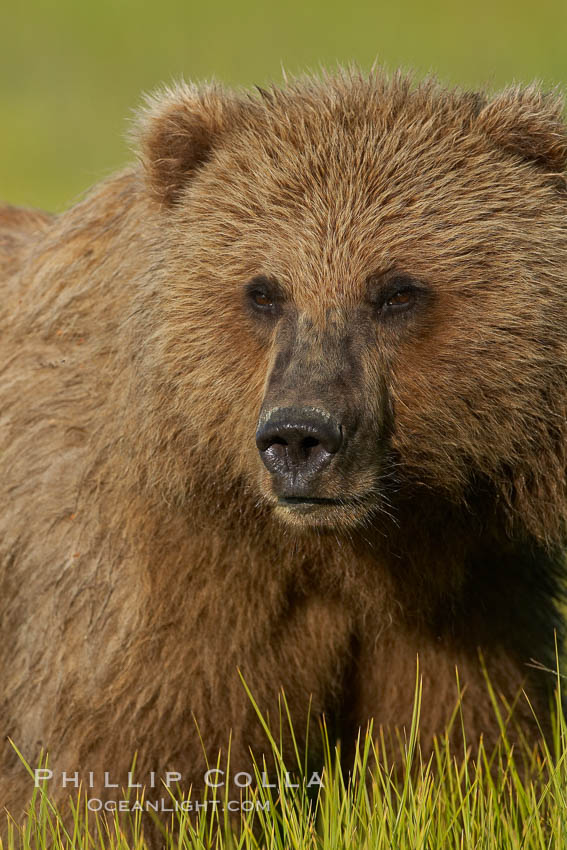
{"x": 506, "y": 800}
{"x": 71, "y": 73}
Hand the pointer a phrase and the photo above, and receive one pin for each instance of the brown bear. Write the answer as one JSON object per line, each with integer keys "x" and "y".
{"x": 285, "y": 399}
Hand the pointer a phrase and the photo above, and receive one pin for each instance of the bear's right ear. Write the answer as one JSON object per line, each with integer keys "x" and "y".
{"x": 176, "y": 133}
{"x": 529, "y": 123}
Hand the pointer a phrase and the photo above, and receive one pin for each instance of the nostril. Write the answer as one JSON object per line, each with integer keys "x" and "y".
{"x": 266, "y": 438}
{"x": 310, "y": 443}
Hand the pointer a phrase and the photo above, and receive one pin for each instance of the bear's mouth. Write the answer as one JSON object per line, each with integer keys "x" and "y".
{"x": 293, "y": 501}
{"x": 323, "y": 513}
{"x": 317, "y": 508}
{"x": 311, "y": 505}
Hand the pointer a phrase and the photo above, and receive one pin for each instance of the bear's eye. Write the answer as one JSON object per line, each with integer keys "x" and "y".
{"x": 261, "y": 299}
{"x": 402, "y": 298}
{"x": 263, "y": 295}
{"x": 395, "y": 293}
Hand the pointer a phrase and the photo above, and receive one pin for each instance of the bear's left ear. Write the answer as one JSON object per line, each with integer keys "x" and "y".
{"x": 528, "y": 122}
{"x": 177, "y": 132}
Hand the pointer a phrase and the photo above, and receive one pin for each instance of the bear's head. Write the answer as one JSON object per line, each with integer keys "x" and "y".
{"x": 363, "y": 290}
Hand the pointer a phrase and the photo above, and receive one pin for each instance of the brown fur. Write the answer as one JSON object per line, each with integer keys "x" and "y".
{"x": 144, "y": 555}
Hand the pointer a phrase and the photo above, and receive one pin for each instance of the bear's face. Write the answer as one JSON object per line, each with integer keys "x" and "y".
{"x": 370, "y": 279}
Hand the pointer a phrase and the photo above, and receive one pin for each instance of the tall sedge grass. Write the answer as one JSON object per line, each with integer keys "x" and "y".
{"x": 505, "y": 799}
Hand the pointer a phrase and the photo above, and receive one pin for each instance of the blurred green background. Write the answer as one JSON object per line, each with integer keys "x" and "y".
{"x": 72, "y": 71}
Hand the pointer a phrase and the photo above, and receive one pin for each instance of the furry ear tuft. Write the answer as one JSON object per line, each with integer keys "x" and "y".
{"x": 530, "y": 123}
{"x": 176, "y": 133}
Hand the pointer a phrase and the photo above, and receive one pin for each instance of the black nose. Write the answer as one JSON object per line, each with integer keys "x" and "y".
{"x": 297, "y": 442}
